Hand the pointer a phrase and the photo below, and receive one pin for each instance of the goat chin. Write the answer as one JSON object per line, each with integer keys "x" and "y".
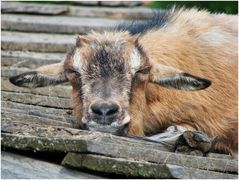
{"x": 112, "y": 129}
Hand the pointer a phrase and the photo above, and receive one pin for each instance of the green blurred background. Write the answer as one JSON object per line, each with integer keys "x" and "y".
{"x": 229, "y": 7}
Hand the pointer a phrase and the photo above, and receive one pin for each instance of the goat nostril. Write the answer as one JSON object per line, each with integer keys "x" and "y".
{"x": 112, "y": 110}
{"x": 96, "y": 109}
{"x": 104, "y": 109}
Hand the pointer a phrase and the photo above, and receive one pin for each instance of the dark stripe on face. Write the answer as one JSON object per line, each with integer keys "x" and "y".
{"x": 106, "y": 62}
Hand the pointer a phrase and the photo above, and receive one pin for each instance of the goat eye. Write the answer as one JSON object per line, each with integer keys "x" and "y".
{"x": 71, "y": 71}
{"x": 71, "y": 74}
{"x": 144, "y": 70}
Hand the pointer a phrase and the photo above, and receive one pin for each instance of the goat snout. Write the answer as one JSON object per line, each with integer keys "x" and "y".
{"x": 105, "y": 112}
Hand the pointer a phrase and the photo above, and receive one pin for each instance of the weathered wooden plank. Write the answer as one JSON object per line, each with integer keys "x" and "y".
{"x": 29, "y": 59}
{"x": 36, "y": 42}
{"x": 47, "y": 112}
{"x": 118, "y": 166}
{"x": 76, "y": 135}
{"x": 117, "y": 12}
{"x": 142, "y": 169}
{"x": 21, "y": 118}
{"x": 15, "y": 166}
{"x": 120, "y": 3}
{"x": 55, "y": 24}
{"x": 16, "y": 7}
{"x": 73, "y": 140}
{"x": 192, "y": 173}
{"x": 59, "y": 118}
{"x": 7, "y": 72}
{"x": 27, "y": 98}
{"x": 51, "y": 91}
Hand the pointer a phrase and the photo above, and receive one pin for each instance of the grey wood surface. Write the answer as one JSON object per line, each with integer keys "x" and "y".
{"x": 51, "y": 91}
{"x": 115, "y": 13}
{"x": 42, "y": 42}
{"x": 30, "y": 59}
{"x": 28, "y": 98}
{"x": 57, "y": 138}
{"x": 55, "y": 24}
{"x": 52, "y": 113}
{"x": 14, "y": 166}
{"x": 143, "y": 169}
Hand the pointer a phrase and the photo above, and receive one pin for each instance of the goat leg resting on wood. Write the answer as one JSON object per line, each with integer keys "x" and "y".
{"x": 180, "y": 139}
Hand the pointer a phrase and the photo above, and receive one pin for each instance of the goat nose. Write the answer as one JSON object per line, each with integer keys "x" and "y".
{"x": 105, "y": 109}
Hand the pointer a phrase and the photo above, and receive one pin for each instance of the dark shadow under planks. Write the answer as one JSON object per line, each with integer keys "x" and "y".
{"x": 21, "y": 167}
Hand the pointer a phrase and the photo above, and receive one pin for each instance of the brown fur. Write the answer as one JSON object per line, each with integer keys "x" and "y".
{"x": 182, "y": 46}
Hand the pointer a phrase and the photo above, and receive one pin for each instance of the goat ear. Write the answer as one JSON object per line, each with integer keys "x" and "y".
{"x": 48, "y": 75}
{"x": 170, "y": 77}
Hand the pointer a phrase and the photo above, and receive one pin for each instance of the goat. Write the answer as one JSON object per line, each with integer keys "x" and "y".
{"x": 178, "y": 68}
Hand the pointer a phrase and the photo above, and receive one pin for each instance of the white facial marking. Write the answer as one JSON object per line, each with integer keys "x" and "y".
{"x": 135, "y": 61}
{"x": 125, "y": 120}
{"x": 83, "y": 120}
{"x": 121, "y": 123}
{"x": 77, "y": 62}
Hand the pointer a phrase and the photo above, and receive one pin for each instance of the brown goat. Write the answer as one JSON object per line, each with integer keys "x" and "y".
{"x": 137, "y": 78}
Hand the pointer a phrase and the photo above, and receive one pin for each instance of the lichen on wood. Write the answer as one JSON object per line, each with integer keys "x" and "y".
{"x": 55, "y": 138}
{"x": 132, "y": 168}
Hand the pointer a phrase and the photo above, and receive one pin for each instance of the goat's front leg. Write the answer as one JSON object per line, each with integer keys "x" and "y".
{"x": 183, "y": 140}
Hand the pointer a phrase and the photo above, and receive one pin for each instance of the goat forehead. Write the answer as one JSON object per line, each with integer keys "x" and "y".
{"x": 96, "y": 53}
{"x": 105, "y": 59}
{"x": 106, "y": 62}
